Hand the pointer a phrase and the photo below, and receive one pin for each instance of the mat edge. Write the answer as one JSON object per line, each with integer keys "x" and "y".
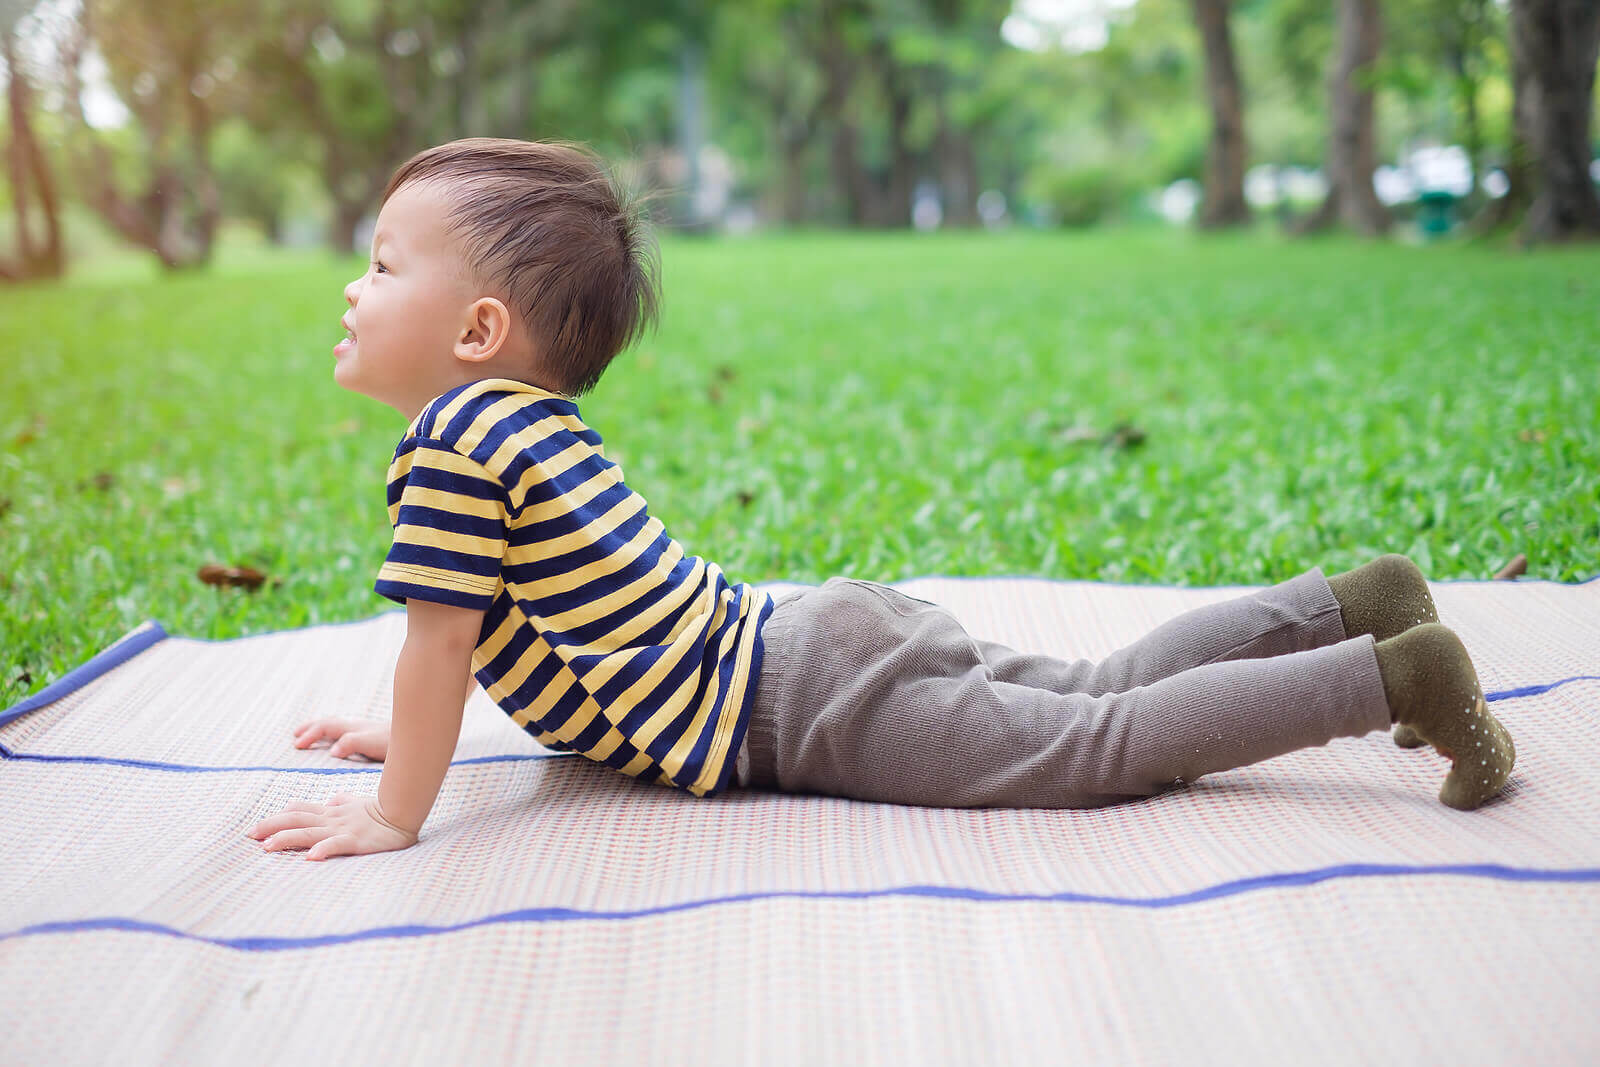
{"x": 126, "y": 647}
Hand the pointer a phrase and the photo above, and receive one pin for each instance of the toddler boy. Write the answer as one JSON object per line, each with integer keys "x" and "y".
{"x": 504, "y": 277}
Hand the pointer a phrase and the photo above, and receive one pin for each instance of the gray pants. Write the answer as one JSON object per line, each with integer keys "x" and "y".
{"x": 867, "y": 693}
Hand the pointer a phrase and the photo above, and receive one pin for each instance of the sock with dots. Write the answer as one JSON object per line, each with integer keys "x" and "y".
{"x": 1432, "y": 687}
{"x": 1385, "y": 598}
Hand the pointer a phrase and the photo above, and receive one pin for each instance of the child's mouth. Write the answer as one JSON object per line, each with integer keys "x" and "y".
{"x": 344, "y": 346}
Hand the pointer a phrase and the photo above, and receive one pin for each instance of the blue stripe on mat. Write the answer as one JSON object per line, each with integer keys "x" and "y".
{"x": 1491, "y": 871}
{"x": 357, "y": 768}
{"x": 377, "y": 768}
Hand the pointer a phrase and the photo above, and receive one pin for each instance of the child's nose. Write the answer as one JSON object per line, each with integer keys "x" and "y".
{"x": 352, "y": 291}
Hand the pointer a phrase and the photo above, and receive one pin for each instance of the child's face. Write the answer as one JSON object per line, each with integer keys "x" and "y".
{"x": 409, "y": 309}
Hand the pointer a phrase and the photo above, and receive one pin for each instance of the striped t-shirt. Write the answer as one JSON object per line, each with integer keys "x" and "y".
{"x": 600, "y": 636}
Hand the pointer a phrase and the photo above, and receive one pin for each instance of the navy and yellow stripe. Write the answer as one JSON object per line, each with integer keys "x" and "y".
{"x": 600, "y": 636}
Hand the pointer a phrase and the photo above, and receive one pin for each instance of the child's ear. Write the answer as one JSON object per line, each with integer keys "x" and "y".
{"x": 486, "y": 333}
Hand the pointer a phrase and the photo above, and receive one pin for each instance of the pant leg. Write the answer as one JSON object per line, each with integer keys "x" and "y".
{"x": 1292, "y": 616}
{"x": 875, "y": 696}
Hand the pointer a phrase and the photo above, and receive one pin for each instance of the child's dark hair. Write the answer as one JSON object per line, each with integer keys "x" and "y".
{"x": 543, "y": 225}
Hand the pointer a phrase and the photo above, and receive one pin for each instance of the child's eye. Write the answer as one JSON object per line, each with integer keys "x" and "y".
{"x": 380, "y": 266}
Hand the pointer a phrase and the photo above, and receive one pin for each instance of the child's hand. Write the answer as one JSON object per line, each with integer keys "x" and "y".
{"x": 345, "y": 826}
{"x": 349, "y": 736}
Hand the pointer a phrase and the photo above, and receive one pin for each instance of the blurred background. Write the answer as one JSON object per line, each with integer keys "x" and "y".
{"x": 164, "y": 126}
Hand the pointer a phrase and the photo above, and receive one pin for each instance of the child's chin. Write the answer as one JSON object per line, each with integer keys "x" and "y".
{"x": 345, "y": 377}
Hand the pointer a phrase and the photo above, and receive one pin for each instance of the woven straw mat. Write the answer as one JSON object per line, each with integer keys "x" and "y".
{"x": 1320, "y": 907}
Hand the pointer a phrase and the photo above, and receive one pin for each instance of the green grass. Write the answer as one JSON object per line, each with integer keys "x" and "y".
{"x": 880, "y": 407}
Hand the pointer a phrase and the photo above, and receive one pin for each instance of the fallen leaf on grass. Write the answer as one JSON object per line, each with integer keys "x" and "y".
{"x": 1125, "y": 435}
{"x": 1122, "y": 435}
{"x": 244, "y": 577}
{"x": 1535, "y": 437}
{"x": 29, "y": 433}
{"x": 1518, "y": 565}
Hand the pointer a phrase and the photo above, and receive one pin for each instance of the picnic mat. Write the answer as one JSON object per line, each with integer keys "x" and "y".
{"x": 1322, "y": 906}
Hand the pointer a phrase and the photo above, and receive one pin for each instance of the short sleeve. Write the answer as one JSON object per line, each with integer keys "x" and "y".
{"x": 449, "y": 529}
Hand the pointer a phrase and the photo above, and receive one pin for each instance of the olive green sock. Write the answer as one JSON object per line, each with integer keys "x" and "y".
{"x": 1431, "y": 687}
{"x": 1385, "y": 598}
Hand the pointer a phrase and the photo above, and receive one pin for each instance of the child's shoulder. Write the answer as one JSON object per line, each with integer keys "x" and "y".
{"x": 481, "y": 419}
{"x": 477, "y": 408}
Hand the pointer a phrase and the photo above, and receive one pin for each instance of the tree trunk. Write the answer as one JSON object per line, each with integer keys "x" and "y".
{"x": 1352, "y": 152}
{"x": 839, "y": 74}
{"x": 342, "y": 231}
{"x": 1223, "y": 203}
{"x": 794, "y": 139}
{"x": 28, "y": 166}
{"x": 896, "y": 206}
{"x": 1558, "y": 44}
{"x": 957, "y": 170}
{"x": 202, "y": 183}
{"x": 158, "y": 220}
{"x": 518, "y": 95}
{"x": 966, "y": 168}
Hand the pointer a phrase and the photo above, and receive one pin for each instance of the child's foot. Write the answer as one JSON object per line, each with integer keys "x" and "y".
{"x": 1385, "y": 598}
{"x": 1432, "y": 688}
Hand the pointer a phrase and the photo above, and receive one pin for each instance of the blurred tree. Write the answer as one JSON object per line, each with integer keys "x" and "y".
{"x": 164, "y": 66}
{"x": 1223, "y": 202}
{"x": 893, "y": 90}
{"x": 843, "y": 33}
{"x": 1557, "y": 44}
{"x": 1509, "y": 209}
{"x": 28, "y": 169}
{"x": 1464, "y": 29}
{"x": 1301, "y": 39}
{"x": 1440, "y": 49}
{"x": 769, "y": 53}
{"x": 357, "y": 81}
{"x": 357, "y": 87}
{"x": 1352, "y": 154}
{"x": 965, "y": 56}
{"x": 255, "y": 168}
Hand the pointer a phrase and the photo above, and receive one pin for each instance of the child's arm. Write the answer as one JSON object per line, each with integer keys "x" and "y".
{"x": 431, "y": 682}
{"x": 356, "y": 737}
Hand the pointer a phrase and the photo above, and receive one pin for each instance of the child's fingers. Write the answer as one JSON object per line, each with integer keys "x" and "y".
{"x": 349, "y": 744}
{"x": 316, "y": 731}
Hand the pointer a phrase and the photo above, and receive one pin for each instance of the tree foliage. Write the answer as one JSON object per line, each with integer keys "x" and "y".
{"x": 823, "y": 111}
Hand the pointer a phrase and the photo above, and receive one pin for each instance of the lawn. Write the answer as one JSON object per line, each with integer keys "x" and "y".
{"x": 881, "y": 407}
